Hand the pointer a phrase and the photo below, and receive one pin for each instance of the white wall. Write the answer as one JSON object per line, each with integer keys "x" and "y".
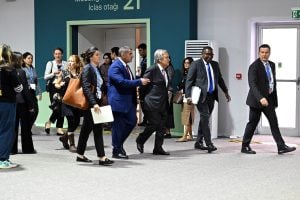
{"x": 121, "y": 37}
{"x": 105, "y": 39}
{"x": 229, "y": 23}
{"x": 17, "y": 24}
{"x": 89, "y": 36}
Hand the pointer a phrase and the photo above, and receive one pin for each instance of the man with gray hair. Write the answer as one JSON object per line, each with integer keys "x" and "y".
{"x": 155, "y": 96}
{"x": 123, "y": 100}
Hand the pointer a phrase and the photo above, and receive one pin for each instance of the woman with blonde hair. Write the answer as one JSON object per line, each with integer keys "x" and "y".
{"x": 9, "y": 86}
{"x": 73, "y": 70}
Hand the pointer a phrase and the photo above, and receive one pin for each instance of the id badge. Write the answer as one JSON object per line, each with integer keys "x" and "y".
{"x": 33, "y": 86}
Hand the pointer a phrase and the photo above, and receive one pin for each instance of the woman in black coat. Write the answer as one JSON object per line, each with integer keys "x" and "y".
{"x": 25, "y": 113}
{"x": 91, "y": 78}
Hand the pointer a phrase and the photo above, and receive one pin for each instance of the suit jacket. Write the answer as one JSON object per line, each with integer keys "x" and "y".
{"x": 197, "y": 76}
{"x": 89, "y": 84}
{"x": 121, "y": 90}
{"x": 24, "y": 96}
{"x": 259, "y": 85}
{"x": 155, "y": 94}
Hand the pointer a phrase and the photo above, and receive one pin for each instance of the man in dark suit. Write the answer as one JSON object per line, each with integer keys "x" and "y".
{"x": 155, "y": 96}
{"x": 262, "y": 97}
{"x": 123, "y": 100}
{"x": 143, "y": 66}
{"x": 205, "y": 74}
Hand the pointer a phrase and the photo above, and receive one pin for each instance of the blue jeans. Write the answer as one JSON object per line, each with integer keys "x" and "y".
{"x": 7, "y": 124}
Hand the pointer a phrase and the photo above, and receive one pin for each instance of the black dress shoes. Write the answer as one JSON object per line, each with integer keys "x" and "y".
{"x": 30, "y": 152}
{"x": 140, "y": 147}
{"x": 106, "y": 161}
{"x": 160, "y": 152}
{"x": 120, "y": 156}
{"x": 247, "y": 150}
{"x": 47, "y": 130}
{"x": 199, "y": 145}
{"x": 285, "y": 149}
{"x": 84, "y": 159}
{"x": 211, "y": 148}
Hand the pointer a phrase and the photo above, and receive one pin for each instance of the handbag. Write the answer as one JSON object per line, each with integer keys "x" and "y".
{"x": 74, "y": 95}
{"x": 178, "y": 98}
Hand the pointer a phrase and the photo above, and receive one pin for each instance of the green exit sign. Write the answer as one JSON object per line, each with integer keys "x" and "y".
{"x": 296, "y": 13}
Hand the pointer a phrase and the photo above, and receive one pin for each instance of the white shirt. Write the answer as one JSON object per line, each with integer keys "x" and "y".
{"x": 52, "y": 67}
{"x": 164, "y": 73}
{"x": 127, "y": 69}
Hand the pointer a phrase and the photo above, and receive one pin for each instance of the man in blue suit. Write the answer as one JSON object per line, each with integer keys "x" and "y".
{"x": 123, "y": 100}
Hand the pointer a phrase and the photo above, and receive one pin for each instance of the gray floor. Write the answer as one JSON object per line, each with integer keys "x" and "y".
{"x": 186, "y": 174}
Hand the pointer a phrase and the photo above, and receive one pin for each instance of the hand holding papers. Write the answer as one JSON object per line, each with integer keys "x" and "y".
{"x": 195, "y": 94}
{"x": 105, "y": 115}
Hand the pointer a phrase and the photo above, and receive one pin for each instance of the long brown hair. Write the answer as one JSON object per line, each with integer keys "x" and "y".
{"x": 78, "y": 64}
{"x": 5, "y": 56}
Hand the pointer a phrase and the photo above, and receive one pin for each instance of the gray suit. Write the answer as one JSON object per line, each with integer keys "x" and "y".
{"x": 197, "y": 76}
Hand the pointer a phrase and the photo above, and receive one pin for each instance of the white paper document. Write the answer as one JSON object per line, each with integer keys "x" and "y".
{"x": 105, "y": 115}
{"x": 195, "y": 94}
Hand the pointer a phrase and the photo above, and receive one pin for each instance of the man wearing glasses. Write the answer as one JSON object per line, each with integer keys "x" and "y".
{"x": 205, "y": 74}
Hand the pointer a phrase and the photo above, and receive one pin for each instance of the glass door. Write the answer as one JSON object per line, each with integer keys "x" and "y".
{"x": 284, "y": 42}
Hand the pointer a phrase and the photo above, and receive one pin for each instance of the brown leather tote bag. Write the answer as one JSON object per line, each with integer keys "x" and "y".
{"x": 74, "y": 95}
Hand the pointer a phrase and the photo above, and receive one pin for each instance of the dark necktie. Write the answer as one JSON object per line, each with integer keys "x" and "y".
{"x": 210, "y": 90}
{"x": 163, "y": 72}
{"x": 128, "y": 71}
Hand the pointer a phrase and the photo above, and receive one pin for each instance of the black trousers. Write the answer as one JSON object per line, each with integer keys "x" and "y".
{"x": 26, "y": 120}
{"x": 73, "y": 121}
{"x": 156, "y": 122}
{"x": 86, "y": 128}
{"x": 56, "y": 114}
{"x": 254, "y": 117}
{"x": 205, "y": 109}
{"x": 144, "y": 112}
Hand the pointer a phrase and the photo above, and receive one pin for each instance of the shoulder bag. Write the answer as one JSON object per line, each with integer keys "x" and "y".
{"x": 74, "y": 95}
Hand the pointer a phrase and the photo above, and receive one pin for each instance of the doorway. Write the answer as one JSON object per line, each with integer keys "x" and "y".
{"x": 106, "y": 34}
{"x": 284, "y": 40}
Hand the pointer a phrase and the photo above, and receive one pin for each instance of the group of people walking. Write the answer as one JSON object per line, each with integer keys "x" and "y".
{"x": 115, "y": 81}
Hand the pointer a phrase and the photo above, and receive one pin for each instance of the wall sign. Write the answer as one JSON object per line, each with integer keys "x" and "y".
{"x": 171, "y": 23}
